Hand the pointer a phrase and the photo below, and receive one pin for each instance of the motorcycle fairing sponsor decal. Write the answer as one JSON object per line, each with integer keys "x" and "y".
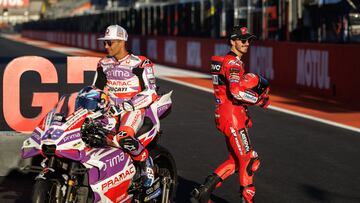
{"x": 111, "y": 188}
{"x": 75, "y": 118}
{"x": 118, "y": 178}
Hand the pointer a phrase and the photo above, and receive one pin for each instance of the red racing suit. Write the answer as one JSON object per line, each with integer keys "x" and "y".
{"x": 232, "y": 89}
{"x": 130, "y": 83}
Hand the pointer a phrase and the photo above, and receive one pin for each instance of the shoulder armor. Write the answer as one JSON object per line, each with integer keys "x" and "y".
{"x": 144, "y": 61}
{"x": 107, "y": 60}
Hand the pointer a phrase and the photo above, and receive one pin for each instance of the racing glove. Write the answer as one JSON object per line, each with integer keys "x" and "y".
{"x": 264, "y": 102}
{"x": 115, "y": 110}
{"x": 118, "y": 109}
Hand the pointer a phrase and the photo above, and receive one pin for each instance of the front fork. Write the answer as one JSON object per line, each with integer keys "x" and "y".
{"x": 166, "y": 182}
{"x": 64, "y": 185}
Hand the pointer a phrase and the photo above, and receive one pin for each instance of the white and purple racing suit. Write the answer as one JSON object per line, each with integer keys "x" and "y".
{"x": 130, "y": 83}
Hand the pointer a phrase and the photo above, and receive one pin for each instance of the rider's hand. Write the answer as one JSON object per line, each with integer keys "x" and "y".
{"x": 128, "y": 106}
{"x": 264, "y": 102}
{"x": 115, "y": 110}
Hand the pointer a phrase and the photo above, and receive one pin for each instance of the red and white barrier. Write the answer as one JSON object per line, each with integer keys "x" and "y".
{"x": 324, "y": 70}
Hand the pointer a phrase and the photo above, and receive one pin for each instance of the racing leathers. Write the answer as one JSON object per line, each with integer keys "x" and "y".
{"x": 130, "y": 83}
{"x": 233, "y": 93}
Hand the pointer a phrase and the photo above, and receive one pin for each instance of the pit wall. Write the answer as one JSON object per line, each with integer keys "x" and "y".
{"x": 328, "y": 71}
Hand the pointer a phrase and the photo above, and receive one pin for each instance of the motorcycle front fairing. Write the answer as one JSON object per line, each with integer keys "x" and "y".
{"x": 110, "y": 170}
{"x": 32, "y": 145}
{"x": 62, "y": 137}
{"x": 110, "y": 174}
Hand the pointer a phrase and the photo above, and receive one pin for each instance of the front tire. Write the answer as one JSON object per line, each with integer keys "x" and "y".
{"x": 46, "y": 191}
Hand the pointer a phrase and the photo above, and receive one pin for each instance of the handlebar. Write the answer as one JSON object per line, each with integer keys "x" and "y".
{"x": 95, "y": 135}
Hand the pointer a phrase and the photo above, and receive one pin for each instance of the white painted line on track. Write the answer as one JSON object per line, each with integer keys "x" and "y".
{"x": 314, "y": 118}
{"x": 186, "y": 84}
{"x": 272, "y": 107}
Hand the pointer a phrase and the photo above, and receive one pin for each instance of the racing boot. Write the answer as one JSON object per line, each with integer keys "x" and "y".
{"x": 147, "y": 172}
{"x": 202, "y": 194}
{"x": 248, "y": 193}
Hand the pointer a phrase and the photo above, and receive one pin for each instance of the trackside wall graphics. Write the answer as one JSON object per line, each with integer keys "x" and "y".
{"x": 324, "y": 70}
{"x": 170, "y": 51}
{"x": 193, "y": 54}
{"x": 13, "y": 102}
{"x": 312, "y": 68}
{"x": 261, "y": 61}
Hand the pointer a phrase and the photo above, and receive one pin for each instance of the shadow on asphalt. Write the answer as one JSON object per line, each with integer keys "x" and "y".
{"x": 320, "y": 195}
{"x": 186, "y": 186}
{"x": 16, "y": 187}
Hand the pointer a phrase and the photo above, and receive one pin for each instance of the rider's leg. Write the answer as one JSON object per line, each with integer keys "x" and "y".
{"x": 244, "y": 158}
{"x": 202, "y": 193}
{"x": 249, "y": 162}
{"x": 213, "y": 181}
{"x": 130, "y": 123}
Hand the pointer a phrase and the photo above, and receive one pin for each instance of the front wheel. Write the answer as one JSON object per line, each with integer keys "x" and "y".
{"x": 46, "y": 191}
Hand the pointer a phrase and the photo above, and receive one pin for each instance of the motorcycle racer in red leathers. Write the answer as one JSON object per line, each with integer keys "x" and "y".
{"x": 234, "y": 92}
{"x": 130, "y": 82}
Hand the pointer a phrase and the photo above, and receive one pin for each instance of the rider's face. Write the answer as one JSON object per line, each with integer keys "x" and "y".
{"x": 241, "y": 45}
{"x": 114, "y": 47}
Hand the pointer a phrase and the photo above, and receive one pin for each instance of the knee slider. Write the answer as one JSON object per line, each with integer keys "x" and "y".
{"x": 253, "y": 164}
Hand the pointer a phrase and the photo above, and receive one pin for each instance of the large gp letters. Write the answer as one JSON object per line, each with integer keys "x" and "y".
{"x": 46, "y": 100}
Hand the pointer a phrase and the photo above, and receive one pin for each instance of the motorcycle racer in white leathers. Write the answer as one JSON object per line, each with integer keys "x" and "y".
{"x": 130, "y": 82}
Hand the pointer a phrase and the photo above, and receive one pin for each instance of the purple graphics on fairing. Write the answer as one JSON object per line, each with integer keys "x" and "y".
{"x": 150, "y": 114}
{"x": 70, "y": 137}
{"x": 108, "y": 162}
{"x": 36, "y": 136}
{"x": 31, "y": 145}
{"x": 76, "y": 155}
{"x": 162, "y": 109}
{"x": 108, "y": 168}
{"x": 29, "y": 152}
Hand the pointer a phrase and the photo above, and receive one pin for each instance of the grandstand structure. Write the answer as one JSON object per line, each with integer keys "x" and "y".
{"x": 335, "y": 21}
{"x": 19, "y": 12}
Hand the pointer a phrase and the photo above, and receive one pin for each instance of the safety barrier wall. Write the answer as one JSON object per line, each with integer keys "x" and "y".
{"x": 327, "y": 71}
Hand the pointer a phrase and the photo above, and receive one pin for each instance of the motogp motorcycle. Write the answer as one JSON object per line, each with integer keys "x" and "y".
{"x": 81, "y": 166}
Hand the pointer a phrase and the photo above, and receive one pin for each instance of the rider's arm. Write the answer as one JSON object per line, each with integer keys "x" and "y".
{"x": 100, "y": 77}
{"x": 240, "y": 84}
{"x": 148, "y": 94}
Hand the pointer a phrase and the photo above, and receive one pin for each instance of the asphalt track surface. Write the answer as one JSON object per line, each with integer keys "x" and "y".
{"x": 301, "y": 160}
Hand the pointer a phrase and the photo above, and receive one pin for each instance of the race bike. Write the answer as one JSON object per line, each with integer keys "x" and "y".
{"x": 82, "y": 166}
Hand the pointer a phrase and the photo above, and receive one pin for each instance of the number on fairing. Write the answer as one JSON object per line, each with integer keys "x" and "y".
{"x": 53, "y": 133}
